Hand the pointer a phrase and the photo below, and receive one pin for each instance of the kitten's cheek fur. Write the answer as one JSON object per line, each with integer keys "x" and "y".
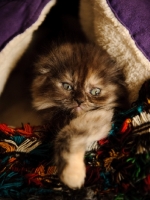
{"x": 73, "y": 175}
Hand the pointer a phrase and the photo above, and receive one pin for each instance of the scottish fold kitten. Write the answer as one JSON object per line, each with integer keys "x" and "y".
{"x": 77, "y": 88}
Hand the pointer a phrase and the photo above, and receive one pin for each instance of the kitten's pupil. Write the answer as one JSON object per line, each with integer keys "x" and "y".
{"x": 67, "y": 86}
{"x": 95, "y": 91}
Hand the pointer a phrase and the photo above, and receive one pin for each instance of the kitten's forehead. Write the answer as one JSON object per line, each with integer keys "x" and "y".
{"x": 66, "y": 77}
{"x": 83, "y": 78}
{"x": 93, "y": 79}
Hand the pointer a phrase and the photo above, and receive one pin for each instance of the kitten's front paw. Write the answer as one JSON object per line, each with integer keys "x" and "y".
{"x": 73, "y": 175}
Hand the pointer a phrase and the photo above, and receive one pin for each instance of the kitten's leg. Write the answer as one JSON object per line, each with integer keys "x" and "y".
{"x": 72, "y": 141}
{"x": 69, "y": 151}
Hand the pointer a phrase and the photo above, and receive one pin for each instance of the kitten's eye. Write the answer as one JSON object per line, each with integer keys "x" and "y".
{"x": 67, "y": 86}
{"x": 95, "y": 91}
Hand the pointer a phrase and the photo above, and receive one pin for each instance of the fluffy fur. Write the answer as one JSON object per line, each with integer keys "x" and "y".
{"x": 77, "y": 88}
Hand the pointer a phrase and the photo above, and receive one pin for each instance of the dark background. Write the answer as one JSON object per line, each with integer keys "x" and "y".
{"x": 69, "y": 7}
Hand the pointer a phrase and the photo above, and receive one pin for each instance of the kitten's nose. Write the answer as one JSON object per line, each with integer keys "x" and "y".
{"x": 79, "y": 101}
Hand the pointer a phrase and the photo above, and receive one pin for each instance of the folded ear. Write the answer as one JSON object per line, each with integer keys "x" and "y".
{"x": 41, "y": 66}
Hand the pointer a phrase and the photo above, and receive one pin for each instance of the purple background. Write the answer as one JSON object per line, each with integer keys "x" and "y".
{"x": 135, "y": 16}
{"x": 16, "y": 16}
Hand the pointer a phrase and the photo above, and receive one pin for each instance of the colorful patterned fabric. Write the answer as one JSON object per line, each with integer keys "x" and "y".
{"x": 118, "y": 167}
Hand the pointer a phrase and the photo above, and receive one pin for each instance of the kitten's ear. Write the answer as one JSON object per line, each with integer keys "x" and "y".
{"x": 112, "y": 62}
{"x": 41, "y": 67}
{"x": 43, "y": 70}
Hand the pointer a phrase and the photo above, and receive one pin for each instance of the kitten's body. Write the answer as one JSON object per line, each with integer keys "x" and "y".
{"x": 77, "y": 87}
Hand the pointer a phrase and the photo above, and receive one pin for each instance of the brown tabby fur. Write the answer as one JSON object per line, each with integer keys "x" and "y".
{"x": 77, "y": 116}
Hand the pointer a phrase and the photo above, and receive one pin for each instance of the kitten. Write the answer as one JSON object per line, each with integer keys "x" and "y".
{"x": 77, "y": 88}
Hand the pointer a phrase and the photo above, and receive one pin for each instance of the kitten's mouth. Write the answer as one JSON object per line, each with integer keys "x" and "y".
{"x": 78, "y": 110}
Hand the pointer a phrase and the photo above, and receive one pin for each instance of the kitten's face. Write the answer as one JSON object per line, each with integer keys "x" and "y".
{"x": 77, "y": 79}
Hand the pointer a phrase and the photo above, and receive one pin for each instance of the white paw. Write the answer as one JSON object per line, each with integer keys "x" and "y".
{"x": 74, "y": 174}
